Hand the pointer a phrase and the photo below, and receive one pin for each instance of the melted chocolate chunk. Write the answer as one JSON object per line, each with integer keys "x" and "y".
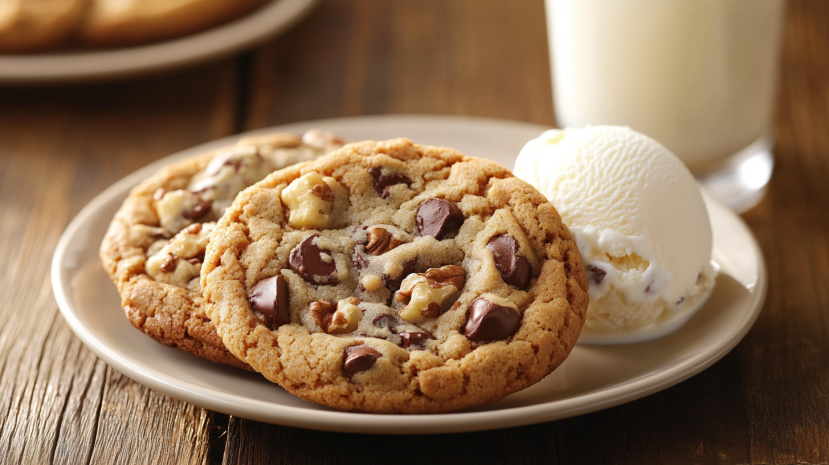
{"x": 415, "y": 339}
{"x": 514, "y": 267}
{"x": 488, "y": 321}
{"x": 408, "y": 268}
{"x": 306, "y": 261}
{"x": 201, "y": 208}
{"x": 382, "y": 182}
{"x": 359, "y": 358}
{"x": 359, "y": 261}
{"x": 270, "y": 298}
{"x": 385, "y": 321}
{"x": 438, "y": 218}
{"x": 595, "y": 273}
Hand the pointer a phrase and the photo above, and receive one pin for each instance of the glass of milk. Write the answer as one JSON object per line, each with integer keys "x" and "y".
{"x": 697, "y": 75}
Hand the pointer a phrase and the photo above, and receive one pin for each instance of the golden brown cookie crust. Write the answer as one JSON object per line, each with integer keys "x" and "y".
{"x": 453, "y": 373}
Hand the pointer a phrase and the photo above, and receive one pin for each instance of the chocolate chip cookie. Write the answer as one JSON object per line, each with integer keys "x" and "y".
{"x": 155, "y": 245}
{"x": 396, "y": 277}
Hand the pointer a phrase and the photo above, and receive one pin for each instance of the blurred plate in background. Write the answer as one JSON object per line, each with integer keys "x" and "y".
{"x": 80, "y": 65}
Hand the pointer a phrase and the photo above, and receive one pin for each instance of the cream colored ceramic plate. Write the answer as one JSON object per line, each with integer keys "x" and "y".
{"x": 592, "y": 378}
{"x": 265, "y": 22}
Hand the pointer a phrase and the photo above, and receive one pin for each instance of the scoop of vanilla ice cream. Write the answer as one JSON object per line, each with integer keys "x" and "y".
{"x": 637, "y": 216}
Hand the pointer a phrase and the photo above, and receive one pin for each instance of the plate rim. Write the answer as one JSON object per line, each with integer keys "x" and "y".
{"x": 330, "y": 420}
{"x": 222, "y": 40}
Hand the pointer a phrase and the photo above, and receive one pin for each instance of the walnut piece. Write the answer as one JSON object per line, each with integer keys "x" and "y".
{"x": 336, "y": 319}
{"x": 309, "y": 200}
{"x": 380, "y": 241}
{"x": 426, "y": 292}
{"x": 450, "y": 274}
{"x": 346, "y": 318}
{"x": 179, "y": 260}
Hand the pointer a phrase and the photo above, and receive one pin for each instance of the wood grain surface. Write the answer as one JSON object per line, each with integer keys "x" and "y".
{"x": 767, "y": 402}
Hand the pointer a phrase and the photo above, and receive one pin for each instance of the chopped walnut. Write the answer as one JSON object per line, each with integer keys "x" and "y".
{"x": 336, "y": 319}
{"x": 309, "y": 199}
{"x": 426, "y": 292}
{"x": 380, "y": 241}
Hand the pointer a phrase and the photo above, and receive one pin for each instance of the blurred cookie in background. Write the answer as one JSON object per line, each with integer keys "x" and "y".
{"x": 30, "y": 26}
{"x": 129, "y": 22}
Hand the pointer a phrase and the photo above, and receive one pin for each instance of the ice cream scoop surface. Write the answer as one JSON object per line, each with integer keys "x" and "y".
{"x": 638, "y": 217}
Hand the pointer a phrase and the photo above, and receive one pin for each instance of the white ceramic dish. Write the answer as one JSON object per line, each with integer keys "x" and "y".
{"x": 61, "y": 66}
{"x": 592, "y": 378}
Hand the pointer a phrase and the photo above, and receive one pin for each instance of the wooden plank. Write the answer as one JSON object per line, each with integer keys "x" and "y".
{"x": 701, "y": 420}
{"x": 139, "y": 425}
{"x": 784, "y": 357}
{"x": 417, "y": 56}
{"x": 250, "y": 442}
{"x": 59, "y": 147}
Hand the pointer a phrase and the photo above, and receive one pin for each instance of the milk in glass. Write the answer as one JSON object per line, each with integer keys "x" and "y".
{"x": 696, "y": 75}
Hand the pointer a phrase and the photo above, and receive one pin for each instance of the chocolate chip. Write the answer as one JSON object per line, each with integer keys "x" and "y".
{"x": 384, "y": 321}
{"x": 270, "y": 298}
{"x": 359, "y": 261}
{"x": 415, "y": 339}
{"x": 359, "y": 358}
{"x": 489, "y": 321}
{"x": 595, "y": 273}
{"x": 306, "y": 261}
{"x": 199, "y": 209}
{"x": 393, "y": 284}
{"x": 438, "y": 218}
{"x": 382, "y": 182}
{"x": 514, "y": 267}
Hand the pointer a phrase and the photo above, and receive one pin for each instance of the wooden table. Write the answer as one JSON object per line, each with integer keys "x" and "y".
{"x": 765, "y": 402}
